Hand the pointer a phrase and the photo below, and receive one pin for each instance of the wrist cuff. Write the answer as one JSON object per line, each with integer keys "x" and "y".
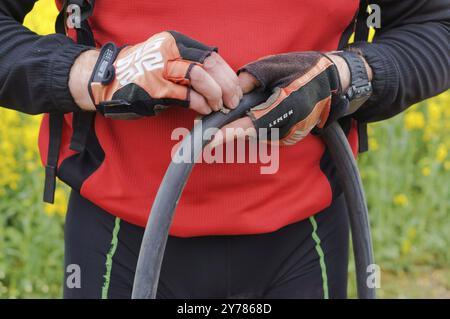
{"x": 385, "y": 73}
{"x": 58, "y": 76}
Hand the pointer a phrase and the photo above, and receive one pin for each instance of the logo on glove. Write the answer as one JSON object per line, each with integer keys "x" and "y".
{"x": 280, "y": 119}
{"x": 146, "y": 58}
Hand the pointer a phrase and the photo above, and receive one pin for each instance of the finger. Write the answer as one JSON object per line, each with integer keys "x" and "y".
{"x": 206, "y": 86}
{"x": 248, "y": 82}
{"x": 227, "y": 79}
{"x": 198, "y": 103}
{"x": 241, "y": 128}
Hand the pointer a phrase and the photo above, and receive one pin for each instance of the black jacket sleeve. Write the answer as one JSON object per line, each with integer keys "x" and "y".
{"x": 34, "y": 70}
{"x": 410, "y": 56}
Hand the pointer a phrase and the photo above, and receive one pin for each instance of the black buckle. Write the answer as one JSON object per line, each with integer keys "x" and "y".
{"x": 104, "y": 71}
{"x": 50, "y": 184}
{"x": 359, "y": 91}
{"x": 118, "y": 110}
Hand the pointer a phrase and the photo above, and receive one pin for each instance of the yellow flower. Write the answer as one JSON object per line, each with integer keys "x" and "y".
{"x": 13, "y": 186}
{"x": 406, "y": 247}
{"x": 44, "y": 10}
{"x": 441, "y": 153}
{"x": 426, "y": 171}
{"x": 60, "y": 205}
{"x": 434, "y": 110}
{"x": 49, "y": 209}
{"x": 411, "y": 233}
{"x": 447, "y": 165}
{"x": 370, "y": 130}
{"x": 373, "y": 144}
{"x": 414, "y": 120}
{"x": 400, "y": 200}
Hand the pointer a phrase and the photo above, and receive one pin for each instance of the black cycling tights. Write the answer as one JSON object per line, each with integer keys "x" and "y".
{"x": 307, "y": 259}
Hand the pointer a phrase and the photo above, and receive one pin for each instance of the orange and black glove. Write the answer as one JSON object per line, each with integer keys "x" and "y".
{"x": 139, "y": 80}
{"x": 303, "y": 85}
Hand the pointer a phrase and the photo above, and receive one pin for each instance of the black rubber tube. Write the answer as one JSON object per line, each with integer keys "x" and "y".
{"x": 358, "y": 213}
{"x": 157, "y": 230}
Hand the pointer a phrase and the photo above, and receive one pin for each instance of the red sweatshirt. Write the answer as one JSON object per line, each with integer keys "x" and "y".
{"x": 219, "y": 198}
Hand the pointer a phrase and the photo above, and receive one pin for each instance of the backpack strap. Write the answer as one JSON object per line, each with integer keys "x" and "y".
{"x": 55, "y": 131}
{"x": 362, "y": 34}
{"x": 358, "y": 26}
{"x": 361, "y": 28}
{"x": 82, "y": 121}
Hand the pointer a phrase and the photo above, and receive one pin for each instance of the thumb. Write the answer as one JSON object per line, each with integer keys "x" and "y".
{"x": 240, "y": 128}
{"x": 247, "y": 82}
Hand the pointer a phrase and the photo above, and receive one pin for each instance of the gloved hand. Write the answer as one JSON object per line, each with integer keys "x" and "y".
{"x": 142, "y": 79}
{"x": 302, "y": 86}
